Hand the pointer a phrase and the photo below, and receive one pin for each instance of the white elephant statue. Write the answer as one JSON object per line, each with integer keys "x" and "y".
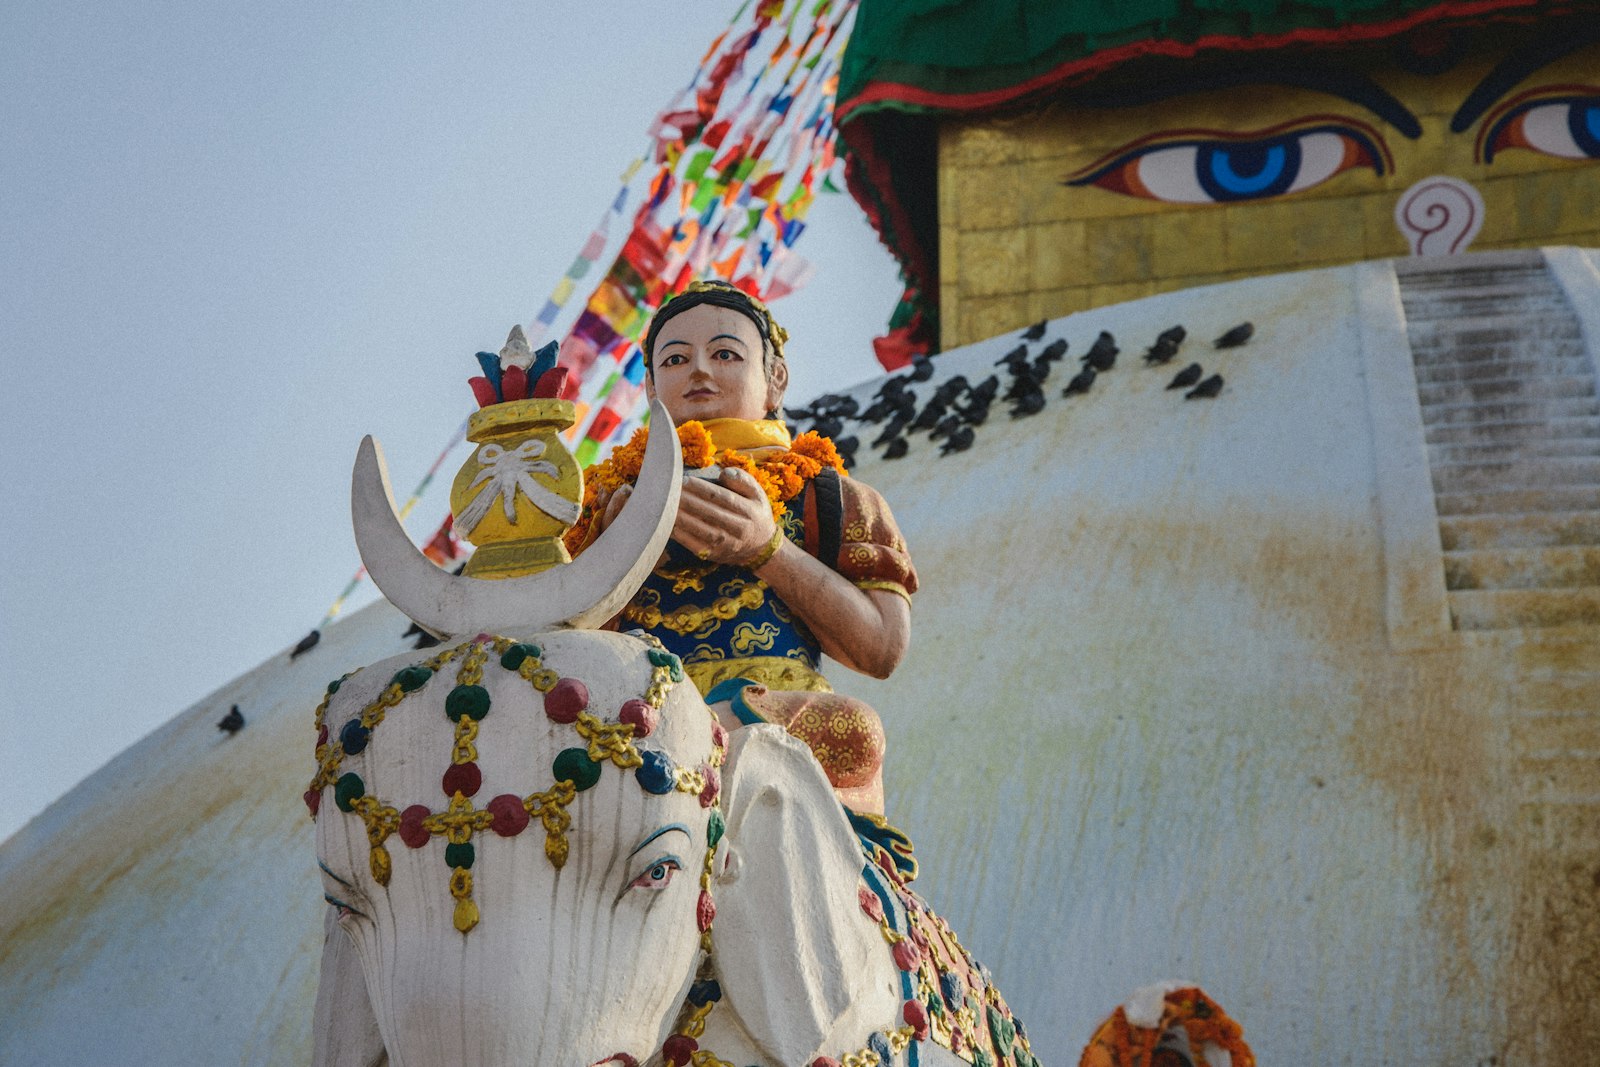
{"x": 658, "y": 912}
{"x": 541, "y": 849}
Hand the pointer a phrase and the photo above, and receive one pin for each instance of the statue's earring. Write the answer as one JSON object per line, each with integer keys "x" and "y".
{"x": 777, "y": 383}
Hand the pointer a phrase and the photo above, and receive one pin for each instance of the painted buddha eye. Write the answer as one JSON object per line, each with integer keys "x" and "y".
{"x": 1212, "y": 167}
{"x": 658, "y": 876}
{"x": 1565, "y": 126}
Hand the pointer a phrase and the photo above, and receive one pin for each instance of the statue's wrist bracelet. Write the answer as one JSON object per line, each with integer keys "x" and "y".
{"x": 760, "y": 559}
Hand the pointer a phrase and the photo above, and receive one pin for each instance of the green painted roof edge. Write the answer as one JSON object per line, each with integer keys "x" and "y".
{"x": 944, "y": 50}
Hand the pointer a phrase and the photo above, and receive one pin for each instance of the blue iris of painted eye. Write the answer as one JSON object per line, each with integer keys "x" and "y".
{"x": 1250, "y": 170}
{"x": 659, "y": 875}
{"x": 1584, "y": 121}
{"x": 1224, "y": 169}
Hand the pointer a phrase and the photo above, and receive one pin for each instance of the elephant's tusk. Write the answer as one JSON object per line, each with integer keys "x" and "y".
{"x": 582, "y": 594}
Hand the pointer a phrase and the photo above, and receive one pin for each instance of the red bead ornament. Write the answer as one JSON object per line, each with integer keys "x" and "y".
{"x": 824, "y": 1061}
{"x": 907, "y": 956}
{"x": 915, "y": 1014}
{"x": 322, "y": 737}
{"x": 719, "y": 738}
{"x": 641, "y": 716}
{"x": 708, "y": 795}
{"x": 679, "y": 1049}
{"x": 510, "y": 817}
{"x": 705, "y": 911}
{"x": 411, "y": 831}
{"x": 463, "y": 778}
{"x": 313, "y": 799}
{"x": 871, "y": 904}
{"x": 568, "y": 697}
{"x": 956, "y": 1041}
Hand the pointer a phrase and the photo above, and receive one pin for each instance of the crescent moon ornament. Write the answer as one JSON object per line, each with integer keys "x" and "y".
{"x": 582, "y": 594}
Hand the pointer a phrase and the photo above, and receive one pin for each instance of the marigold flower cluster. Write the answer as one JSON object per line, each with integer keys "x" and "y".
{"x": 1118, "y": 1043}
{"x": 781, "y": 476}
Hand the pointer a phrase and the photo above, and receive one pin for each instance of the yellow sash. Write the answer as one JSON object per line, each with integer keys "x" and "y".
{"x": 748, "y": 435}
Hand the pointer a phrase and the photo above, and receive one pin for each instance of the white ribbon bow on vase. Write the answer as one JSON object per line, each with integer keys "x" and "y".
{"x": 508, "y": 471}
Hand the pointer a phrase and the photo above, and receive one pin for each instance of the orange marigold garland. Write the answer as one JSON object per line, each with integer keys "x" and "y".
{"x": 782, "y": 476}
{"x": 1119, "y": 1044}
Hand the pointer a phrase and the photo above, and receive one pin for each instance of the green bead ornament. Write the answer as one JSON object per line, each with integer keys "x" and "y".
{"x": 469, "y": 700}
{"x": 574, "y": 765}
{"x": 516, "y": 654}
{"x": 348, "y": 788}
{"x": 410, "y": 679}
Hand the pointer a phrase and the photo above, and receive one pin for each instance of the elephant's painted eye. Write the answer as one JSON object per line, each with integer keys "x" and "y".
{"x": 344, "y": 910}
{"x": 1213, "y": 166}
{"x": 658, "y": 876}
{"x": 1565, "y": 126}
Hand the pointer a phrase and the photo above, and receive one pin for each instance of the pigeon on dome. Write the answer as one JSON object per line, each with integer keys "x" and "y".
{"x": 1102, "y": 355}
{"x": 1236, "y": 336}
{"x": 1186, "y": 377}
{"x": 1166, "y": 346}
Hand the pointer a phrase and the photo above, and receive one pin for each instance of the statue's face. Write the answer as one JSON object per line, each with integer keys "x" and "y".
{"x": 709, "y": 365}
{"x": 1268, "y": 164}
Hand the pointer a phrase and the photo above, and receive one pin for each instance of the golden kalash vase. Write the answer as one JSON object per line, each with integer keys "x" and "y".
{"x": 520, "y": 490}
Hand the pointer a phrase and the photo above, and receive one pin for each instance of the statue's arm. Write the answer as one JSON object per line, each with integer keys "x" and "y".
{"x": 344, "y": 1030}
{"x": 867, "y": 630}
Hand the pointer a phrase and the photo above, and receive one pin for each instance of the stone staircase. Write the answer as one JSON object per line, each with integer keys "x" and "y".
{"x": 1512, "y": 425}
{"x": 1555, "y": 732}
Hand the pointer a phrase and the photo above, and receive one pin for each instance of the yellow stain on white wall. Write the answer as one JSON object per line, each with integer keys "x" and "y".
{"x": 1071, "y": 207}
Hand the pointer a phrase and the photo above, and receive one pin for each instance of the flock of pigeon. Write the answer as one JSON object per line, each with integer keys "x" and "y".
{"x": 956, "y": 407}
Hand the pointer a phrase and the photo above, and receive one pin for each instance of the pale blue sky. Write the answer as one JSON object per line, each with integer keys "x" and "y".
{"x": 235, "y": 238}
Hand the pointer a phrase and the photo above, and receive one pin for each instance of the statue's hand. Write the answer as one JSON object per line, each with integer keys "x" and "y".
{"x": 609, "y": 507}
{"x": 726, "y": 521}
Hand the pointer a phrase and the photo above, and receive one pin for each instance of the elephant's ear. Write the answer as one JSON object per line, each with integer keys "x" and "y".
{"x": 792, "y": 948}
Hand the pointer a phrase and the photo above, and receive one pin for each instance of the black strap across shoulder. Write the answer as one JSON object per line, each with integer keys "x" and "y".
{"x": 830, "y": 515}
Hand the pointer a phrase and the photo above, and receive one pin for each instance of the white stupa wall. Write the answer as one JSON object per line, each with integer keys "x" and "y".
{"x": 168, "y": 910}
{"x": 1183, "y": 701}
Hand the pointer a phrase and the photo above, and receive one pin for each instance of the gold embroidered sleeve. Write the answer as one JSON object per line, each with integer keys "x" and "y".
{"x": 872, "y": 554}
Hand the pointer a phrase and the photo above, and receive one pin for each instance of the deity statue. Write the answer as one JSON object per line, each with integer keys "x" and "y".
{"x": 777, "y": 555}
